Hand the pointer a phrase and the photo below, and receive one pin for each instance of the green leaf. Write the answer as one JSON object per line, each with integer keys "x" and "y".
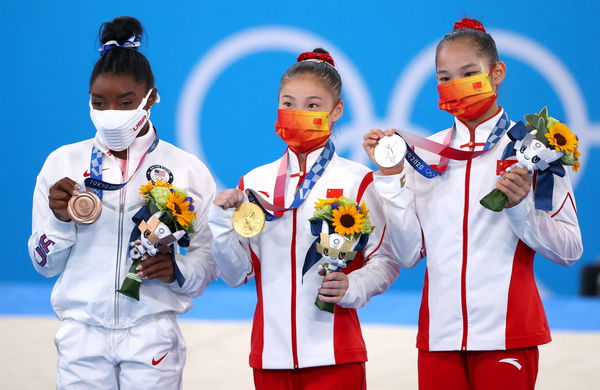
{"x": 542, "y": 126}
{"x": 544, "y": 113}
{"x": 530, "y": 119}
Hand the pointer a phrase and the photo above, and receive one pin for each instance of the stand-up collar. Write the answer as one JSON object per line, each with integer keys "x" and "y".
{"x": 463, "y": 136}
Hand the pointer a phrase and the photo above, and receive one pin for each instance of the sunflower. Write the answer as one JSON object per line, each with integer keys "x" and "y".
{"x": 324, "y": 202}
{"x": 347, "y": 220}
{"x": 561, "y": 138}
{"x": 161, "y": 183}
{"x": 576, "y": 166}
{"x": 145, "y": 188}
{"x": 182, "y": 208}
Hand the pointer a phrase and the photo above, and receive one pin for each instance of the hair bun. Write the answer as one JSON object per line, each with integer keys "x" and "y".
{"x": 317, "y": 54}
{"x": 469, "y": 23}
{"x": 121, "y": 29}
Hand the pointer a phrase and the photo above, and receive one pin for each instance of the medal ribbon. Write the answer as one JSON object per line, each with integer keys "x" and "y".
{"x": 445, "y": 151}
{"x": 314, "y": 174}
{"x": 95, "y": 181}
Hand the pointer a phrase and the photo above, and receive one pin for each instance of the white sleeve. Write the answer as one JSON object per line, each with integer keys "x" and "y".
{"x": 197, "y": 265}
{"x": 51, "y": 239}
{"x": 231, "y": 252}
{"x": 554, "y": 234}
{"x": 379, "y": 269}
{"x": 397, "y": 196}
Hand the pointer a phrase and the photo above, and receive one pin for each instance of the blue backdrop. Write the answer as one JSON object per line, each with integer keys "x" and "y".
{"x": 218, "y": 66}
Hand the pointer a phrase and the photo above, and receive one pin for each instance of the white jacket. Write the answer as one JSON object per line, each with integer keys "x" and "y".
{"x": 92, "y": 259}
{"x": 289, "y": 331}
{"x": 479, "y": 291}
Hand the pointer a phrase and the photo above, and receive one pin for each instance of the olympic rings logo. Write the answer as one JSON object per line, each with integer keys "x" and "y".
{"x": 357, "y": 96}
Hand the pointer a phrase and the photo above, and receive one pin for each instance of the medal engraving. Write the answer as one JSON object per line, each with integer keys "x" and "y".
{"x": 84, "y": 208}
{"x": 390, "y": 151}
{"x": 248, "y": 220}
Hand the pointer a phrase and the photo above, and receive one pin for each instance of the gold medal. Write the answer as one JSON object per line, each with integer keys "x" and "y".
{"x": 248, "y": 220}
{"x": 84, "y": 208}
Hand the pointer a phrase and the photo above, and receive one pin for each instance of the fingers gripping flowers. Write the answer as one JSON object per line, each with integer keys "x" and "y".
{"x": 544, "y": 145}
{"x": 343, "y": 235}
{"x": 172, "y": 217}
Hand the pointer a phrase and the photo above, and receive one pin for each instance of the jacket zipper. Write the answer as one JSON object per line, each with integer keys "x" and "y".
{"x": 465, "y": 248}
{"x": 293, "y": 253}
{"x": 293, "y": 248}
{"x": 122, "y": 196}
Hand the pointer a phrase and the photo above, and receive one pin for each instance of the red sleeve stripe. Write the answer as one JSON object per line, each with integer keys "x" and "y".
{"x": 368, "y": 179}
{"x": 378, "y": 245}
{"x": 563, "y": 204}
{"x": 240, "y": 185}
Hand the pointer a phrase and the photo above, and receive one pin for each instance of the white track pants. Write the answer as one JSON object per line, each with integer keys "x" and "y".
{"x": 148, "y": 356}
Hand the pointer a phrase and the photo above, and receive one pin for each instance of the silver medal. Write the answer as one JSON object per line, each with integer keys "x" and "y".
{"x": 390, "y": 151}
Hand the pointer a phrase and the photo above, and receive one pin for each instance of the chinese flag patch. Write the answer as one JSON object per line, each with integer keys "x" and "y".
{"x": 502, "y": 165}
{"x": 317, "y": 121}
{"x": 335, "y": 192}
{"x": 477, "y": 85}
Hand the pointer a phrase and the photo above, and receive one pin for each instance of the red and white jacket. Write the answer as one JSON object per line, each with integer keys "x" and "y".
{"x": 289, "y": 331}
{"x": 479, "y": 291}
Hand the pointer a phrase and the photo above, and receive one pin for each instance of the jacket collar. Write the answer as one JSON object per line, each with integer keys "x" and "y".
{"x": 294, "y": 167}
{"x": 462, "y": 138}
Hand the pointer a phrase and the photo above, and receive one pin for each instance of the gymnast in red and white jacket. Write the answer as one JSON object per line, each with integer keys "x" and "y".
{"x": 289, "y": 330}
{"x": 480, "y": 291}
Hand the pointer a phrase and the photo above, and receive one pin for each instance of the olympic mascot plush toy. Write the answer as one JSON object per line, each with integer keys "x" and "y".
{"x": 155, "y": 237}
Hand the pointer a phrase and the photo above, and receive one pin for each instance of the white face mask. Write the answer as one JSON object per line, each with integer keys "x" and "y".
{"x": 118, "y": 128}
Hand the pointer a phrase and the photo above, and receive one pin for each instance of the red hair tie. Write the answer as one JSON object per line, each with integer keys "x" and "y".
{"x": 469, "y": 23}
{"x": 311, "y": 55}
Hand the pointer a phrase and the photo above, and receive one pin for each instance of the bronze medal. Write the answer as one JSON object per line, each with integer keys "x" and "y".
{"x": 248, "y": 220}
{"x": 84, "y": 208}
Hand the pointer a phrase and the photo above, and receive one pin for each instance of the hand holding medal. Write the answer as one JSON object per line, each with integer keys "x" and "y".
{"x": 84, "y": 207}
{"x": 248, "y": 218}
{"x": 68, "y": 202}
{"x": 386, "y": 149}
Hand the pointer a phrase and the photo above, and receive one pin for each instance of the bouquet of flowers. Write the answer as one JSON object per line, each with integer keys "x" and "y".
{"x": 177, "y": 206}
{"x": 347, "y": 230}
{"x": 544, "y": 145}
{"x": 172, "y": 218}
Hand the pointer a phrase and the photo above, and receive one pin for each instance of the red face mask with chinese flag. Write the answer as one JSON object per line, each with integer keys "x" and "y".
{"x": 303, "y": 131}
{"x": 467, "y": 98}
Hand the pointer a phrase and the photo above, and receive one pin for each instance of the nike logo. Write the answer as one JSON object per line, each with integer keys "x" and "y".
{"x": 513, "y": 361}
{"x": 264, "y": 193}
{"x": 155, "y": 362}
{"x": 87, "y": 172}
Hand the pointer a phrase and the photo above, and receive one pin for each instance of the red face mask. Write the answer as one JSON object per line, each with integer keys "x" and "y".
{"x": 467, "y": 98}
{"x": 303, "y": 131}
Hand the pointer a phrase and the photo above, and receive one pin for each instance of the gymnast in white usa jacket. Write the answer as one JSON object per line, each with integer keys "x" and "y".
{"x": 106, "y": 339}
